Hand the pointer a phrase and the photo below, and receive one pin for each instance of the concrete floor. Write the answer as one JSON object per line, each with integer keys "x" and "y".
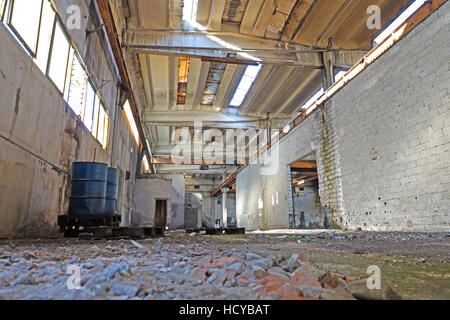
{"x": 283, "y": 264}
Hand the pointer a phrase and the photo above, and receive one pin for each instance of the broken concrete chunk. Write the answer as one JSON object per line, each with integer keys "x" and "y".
{"x": 128, "y": 288}
{"x": 360, "y": 290}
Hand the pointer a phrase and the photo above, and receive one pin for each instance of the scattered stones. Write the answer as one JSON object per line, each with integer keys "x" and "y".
{"x": 138, "y": 245}
{"x": 111, "y": 271}
{"x": 24, "y": 279}
{"x": 129, "y": 289}
{"x": 251, "y": 256}
{"x": 360, "y": 290}
{"x": 259, "y": 274}
{"x": 328, "y": 281}
{"x": 151, "y": 269}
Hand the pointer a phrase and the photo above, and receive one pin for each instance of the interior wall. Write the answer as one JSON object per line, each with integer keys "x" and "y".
{"x": 178, "y": 200}
{"x": 209, "y": 211}
{"x": 193, "y": 211}
{"x": 150, "y": 188}
{"x": 307, "y": 201}
{"x": 40, "y": 136}
{"x": 382, "y": 144}
{"x": 231, "y": 208}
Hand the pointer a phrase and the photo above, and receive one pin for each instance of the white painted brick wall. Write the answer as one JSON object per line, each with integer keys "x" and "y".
{"x": 385, "y": 164}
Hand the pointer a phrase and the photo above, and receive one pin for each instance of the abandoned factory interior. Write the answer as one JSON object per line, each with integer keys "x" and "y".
{"x": 224, "y": 150}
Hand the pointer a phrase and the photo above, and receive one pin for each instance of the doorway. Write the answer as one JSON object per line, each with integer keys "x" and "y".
{"x": 161, "y": 214}
{"x": 307, "y": 212}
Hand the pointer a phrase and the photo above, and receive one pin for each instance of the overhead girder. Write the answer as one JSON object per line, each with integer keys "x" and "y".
{"x": 230, "y": 46}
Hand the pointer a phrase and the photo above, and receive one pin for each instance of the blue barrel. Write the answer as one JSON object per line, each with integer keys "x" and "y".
{"x": 111, "y": 191}
{"x": 89, "y": 184}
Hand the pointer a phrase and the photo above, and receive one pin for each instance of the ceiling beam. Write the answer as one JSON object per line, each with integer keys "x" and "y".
{"x": 192, "y": 161}
{"x": 204, "y": 72}
{"x": 189, "y": 117}
{"x": 305, "y": 180}
{"x": 257, "y": 86}
{"x": 173, "y": 82}
{"x": 227, "y": 78}
{"x": 195, "y": 67}
{"x": 159, "y": 74}
{"x": 231, "y": 180}
{"x": 210, "y": 12}
{"x": 197, "y": 45}
{"x": 304, "y": 165}
{"x": 235, "y": 81}
{"x": 146, "y": 80}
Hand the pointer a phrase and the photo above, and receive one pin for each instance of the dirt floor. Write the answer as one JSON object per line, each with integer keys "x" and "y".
{"x": 280, "y": 264}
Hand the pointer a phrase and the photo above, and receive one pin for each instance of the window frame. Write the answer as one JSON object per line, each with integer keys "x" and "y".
{"x": 106, "y": 123}
{"x": 16, "y": 33}
{"x": 3, "y": 9}
{"x": 50, "y": 53}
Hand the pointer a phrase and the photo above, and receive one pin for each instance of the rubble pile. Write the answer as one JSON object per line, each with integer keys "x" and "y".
{"x": 154, "y": 270}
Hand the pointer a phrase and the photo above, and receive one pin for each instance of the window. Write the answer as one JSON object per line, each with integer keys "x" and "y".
{"x": 416, "y": 5}
{"x": 88, "y": 113}
{"x": 59, "y": 57}
{"x": 244, "y": 86}
{"x": 183, "y": 73}
{"x": 146, "y": 164}
{"x": 103, "y": 125}
{"x": 95, "y": 115}
{"x": 130, "y": 118}
{"x": 45, "y": 36}
{"x": 313, "y": 99}
{"x": 77, "y": 87}
{"x": 2, "y": 8}
{"x": 24, "y": 20}
{"x": 190, "y": 10}
{"x": 36, "y": 28}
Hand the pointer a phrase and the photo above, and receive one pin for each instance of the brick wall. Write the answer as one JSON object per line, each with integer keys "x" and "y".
{"x": 382, "y": 144}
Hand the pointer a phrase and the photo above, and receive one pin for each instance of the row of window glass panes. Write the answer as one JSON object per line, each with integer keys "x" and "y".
{"x": 41, "y": 34}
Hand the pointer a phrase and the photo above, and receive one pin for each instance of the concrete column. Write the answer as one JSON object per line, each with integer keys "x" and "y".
{"x": 328, "y": 70}
{"x": 224, "y": 206}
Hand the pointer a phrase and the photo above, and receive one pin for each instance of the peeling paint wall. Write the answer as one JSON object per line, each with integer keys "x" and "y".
{"x": 40, "y": 136}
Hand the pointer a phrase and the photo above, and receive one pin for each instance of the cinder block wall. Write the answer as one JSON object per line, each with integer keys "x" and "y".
{"x": 382, "y": 144}
{"x": 40, "y": 136}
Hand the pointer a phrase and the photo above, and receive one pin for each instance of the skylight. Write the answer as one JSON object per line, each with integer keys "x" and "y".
{"x": 244, "y": 86}
{"x": 130, "y": 118}
{"x": 190, "y": 15}
{"x": 190, "y": 10}
{"x": 183, "y": 74}
{"x": 339, "y": 75}
{"x": 313, "y": 99}
{"x": 400, "y": 20}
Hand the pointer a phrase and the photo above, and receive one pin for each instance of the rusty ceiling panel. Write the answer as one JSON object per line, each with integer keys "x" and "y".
{"x": 234, "y": 10}
{"x": 280, "y": 15}
{"x": 215, "y": 75}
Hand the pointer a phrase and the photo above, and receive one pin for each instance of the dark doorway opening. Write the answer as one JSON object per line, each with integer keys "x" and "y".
{"x": 307, "y": 212}
{"x": 161, "y": 213}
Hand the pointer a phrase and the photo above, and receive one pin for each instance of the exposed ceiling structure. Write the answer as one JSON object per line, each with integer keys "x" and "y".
{"x": 187, "y": 71}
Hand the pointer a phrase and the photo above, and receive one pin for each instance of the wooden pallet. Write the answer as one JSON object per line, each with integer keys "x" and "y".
{"x": 212, "y": 231}
{"x": 105, "y": 232}
{"x": 71, "y": 225}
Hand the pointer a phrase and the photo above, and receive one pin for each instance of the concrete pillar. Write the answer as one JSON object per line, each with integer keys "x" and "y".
{"x": 328, "y": 70}
{"x": 224, "y": 206}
